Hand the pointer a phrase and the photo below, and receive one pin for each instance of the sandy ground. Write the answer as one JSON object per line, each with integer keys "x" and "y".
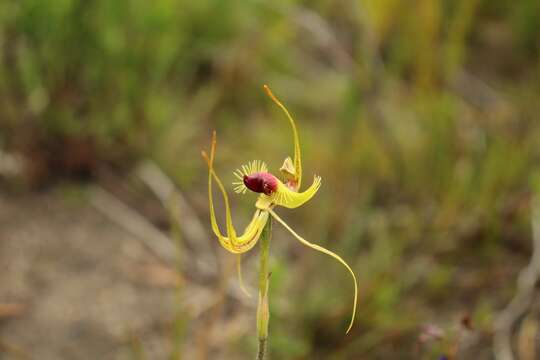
{"x": 74, "y": 285}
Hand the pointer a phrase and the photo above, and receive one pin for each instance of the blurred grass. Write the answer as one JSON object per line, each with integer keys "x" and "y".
{"x": 421, "y": 117}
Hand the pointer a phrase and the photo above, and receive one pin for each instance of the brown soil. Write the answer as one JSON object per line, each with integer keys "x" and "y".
{"x": 74, "y": 285}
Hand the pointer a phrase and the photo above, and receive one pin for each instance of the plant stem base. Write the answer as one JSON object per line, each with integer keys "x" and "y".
{"x": 263, "y": 312}
{"x": 262, "y": 349}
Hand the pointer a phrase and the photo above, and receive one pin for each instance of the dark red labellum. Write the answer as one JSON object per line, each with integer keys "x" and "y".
{"x": 261, "y": 182}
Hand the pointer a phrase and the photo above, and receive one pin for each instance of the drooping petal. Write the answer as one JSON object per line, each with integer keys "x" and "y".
{"x": 230, "y": 241}
{"x": 327, "y": 252}
{"x": 288, "y": 198}
{"x": 297, "y": 154}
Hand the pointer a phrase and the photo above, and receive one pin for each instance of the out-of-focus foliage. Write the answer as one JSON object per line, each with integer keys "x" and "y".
{"x": 421, "y": 116}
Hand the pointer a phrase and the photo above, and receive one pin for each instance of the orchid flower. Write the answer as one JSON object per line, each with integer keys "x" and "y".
{"x": 273, "y": 193}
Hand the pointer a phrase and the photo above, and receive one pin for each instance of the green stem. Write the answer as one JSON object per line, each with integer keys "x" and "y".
{"x": 263, "y": 312}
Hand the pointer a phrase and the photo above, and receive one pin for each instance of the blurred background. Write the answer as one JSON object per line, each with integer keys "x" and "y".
{"x": 421, "y": 117}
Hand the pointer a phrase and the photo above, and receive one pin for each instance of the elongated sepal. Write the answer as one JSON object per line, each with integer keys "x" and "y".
{"x": 231, "y": 241}
{"x": 297, "y": 153}
{"x": 327, "y": 252}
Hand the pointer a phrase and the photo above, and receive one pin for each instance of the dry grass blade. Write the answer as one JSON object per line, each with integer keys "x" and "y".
{"x": 134, "y": 223}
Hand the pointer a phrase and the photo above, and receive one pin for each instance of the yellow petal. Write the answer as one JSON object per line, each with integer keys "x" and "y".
{"x": 249, "y": 238}
{"x": 288, "y": 198}
{"x": 230, "y": 241}
{"x": 297, "y": 154}
{"x": 327, "y": 252}
{"x": 234, "y": 243}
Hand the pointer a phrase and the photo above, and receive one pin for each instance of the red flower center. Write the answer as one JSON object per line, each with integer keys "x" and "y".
{"x": 261, "y": 182}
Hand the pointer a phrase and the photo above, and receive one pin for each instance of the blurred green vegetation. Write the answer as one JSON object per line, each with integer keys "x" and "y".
{"x": 421, "y": 116}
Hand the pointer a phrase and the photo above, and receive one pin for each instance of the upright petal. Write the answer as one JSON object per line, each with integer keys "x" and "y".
{"x": 297, "y": 154}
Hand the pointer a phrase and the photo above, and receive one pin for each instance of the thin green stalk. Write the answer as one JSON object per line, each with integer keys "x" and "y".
{"x": 263, "y": 312}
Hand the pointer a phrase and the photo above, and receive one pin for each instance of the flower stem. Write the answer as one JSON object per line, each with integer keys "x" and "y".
{"x": 263, "y": 312}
